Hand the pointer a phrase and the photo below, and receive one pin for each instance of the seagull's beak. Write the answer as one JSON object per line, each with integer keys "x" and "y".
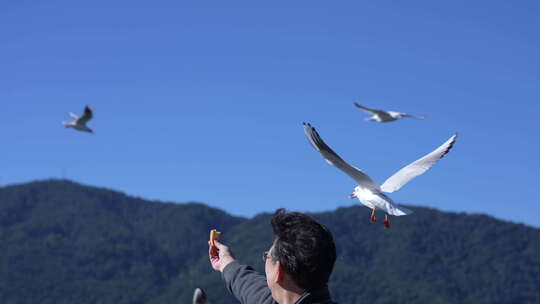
{"x": 352, "y": 195}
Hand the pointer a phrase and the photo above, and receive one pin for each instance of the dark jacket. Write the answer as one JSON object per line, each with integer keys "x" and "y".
{"x": 250, "y": 287}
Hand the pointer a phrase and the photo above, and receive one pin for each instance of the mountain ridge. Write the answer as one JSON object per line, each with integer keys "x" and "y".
{"x": 123, "y": 193}
{"x": 68, "y": 242}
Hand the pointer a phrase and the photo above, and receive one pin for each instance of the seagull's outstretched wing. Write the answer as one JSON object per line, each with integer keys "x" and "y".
{"x": 332, "y": 158}
{"x": 199, "y": 297}
{"x": 368, "y": 110}
{"x": 86, "y": 116}
{"x": 415, "y": 116}
{"x": 418, "y": 167}
{"x": 73, "y": 115}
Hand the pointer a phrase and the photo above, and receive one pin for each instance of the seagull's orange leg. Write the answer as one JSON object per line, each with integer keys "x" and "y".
{"x": 373, "y": 217}
{"x": 386, "y": 222}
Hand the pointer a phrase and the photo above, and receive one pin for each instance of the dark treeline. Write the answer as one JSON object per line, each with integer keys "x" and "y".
{"x": 62, "y": 242}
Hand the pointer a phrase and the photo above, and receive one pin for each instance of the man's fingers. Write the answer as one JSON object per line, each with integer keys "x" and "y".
{"x": 220, "y": 246}
{"x": 213, "y": 251}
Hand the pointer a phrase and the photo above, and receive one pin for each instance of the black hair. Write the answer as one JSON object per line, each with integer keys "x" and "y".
{"x": 304, "y": 247}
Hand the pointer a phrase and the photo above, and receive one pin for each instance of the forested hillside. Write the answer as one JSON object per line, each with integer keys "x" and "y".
{"x": 63, "y": 242}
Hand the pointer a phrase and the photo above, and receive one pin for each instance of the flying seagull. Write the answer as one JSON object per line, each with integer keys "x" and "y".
{"x": 199, "y": 297}
{"x": 79, "y": 123}
{"x": 368, "y": 192}
{"x": 385, "y": 116}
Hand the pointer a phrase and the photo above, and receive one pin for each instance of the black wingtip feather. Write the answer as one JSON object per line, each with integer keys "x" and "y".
{"x": 450, "y": 146}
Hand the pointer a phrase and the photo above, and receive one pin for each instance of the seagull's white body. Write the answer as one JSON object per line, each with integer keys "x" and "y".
{"x": 79, "y": 123}
{"x": 385, "y": 116}
{"x": 376, "y": 199}
{"x": 370, "y": 193}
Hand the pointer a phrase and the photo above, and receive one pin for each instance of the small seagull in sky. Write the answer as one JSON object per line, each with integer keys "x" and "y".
{"x": 368, "y": 192}
{"x": 79, "y": 123}
{"x": 385, "y": 116}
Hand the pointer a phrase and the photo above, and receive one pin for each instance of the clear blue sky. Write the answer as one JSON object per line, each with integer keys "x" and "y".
{"x": 205, "y": 102}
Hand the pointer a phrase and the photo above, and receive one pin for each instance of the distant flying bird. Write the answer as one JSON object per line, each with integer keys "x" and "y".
{"x": 199, "y": 297}
{"x": 367, "y": 191}
{"x": 385, "y": 116}
{"x": 79, "y": 123}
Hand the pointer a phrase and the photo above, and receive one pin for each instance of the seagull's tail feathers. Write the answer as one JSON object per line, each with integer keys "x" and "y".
{"x": 399, "y": 211}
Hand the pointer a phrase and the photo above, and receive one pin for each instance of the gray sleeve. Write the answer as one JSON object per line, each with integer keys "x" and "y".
{"x": 247, "y": 285}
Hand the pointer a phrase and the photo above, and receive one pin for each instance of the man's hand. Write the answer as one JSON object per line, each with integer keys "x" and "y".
{"x": 219, "y": 255}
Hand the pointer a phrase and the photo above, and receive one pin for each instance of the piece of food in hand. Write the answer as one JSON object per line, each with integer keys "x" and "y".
{"x": 214, "y": 235}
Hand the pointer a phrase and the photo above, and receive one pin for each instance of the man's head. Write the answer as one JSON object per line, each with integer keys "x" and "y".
{"x": 303, "y": 249}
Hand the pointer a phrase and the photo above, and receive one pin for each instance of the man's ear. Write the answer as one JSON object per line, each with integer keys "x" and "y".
{"x": 280, "y": 275}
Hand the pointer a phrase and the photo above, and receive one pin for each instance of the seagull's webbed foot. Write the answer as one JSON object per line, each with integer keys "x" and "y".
{"x": 386, "y": 222}
{"x": 373, "y": 217}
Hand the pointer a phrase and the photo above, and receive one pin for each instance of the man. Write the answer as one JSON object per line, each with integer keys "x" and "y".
{"x": 298, "y": 264}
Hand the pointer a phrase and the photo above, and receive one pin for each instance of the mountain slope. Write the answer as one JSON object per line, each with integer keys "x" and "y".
{"x": 67, "y": 243}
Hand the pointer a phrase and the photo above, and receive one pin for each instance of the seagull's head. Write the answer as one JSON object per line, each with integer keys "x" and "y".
{"x": 355, "y": 193}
